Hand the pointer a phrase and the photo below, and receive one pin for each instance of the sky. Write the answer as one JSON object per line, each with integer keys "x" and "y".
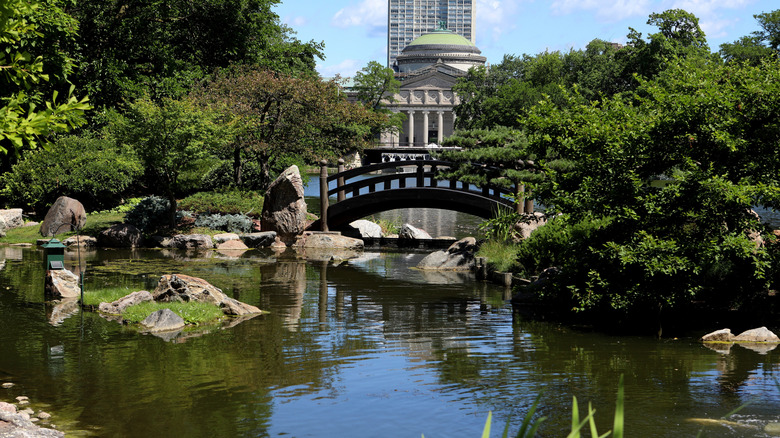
{"x": 355, "y": 31}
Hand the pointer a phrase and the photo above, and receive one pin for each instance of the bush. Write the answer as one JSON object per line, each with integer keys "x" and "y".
{"x": 149, "y": 214}
{"x": 220, "y": 176}
{"x": 249, "y": 203}
{"x": 94, "y": 171}
{"x": 234, "y": 223}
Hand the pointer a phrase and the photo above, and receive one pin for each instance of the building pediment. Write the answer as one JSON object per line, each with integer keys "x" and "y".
{"x": 431, "y": 80}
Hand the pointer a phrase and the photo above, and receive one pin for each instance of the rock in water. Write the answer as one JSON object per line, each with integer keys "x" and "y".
{"x": 66, "y": 214}
{"x": 284, "y": 208}
{"x": 761, "y": 334}
{"x": 120, "y": 236}
{"x": 163, "y": 320}
{"x": 410, "y": 232}
{"x": 722, "y": 335}
{"x": 62, "y": 284}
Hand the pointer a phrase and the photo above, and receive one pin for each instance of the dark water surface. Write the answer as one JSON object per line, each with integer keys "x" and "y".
{"x": 368, "y": 348}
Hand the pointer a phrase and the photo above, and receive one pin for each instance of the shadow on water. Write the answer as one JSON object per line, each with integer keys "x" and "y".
{"x": 369, "y": 347}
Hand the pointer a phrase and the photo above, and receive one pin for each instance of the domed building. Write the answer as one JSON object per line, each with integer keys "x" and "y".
{"x": 428, "y": 68}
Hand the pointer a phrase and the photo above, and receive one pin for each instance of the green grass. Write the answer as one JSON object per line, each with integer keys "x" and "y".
{"x": 96, "y": 222}
{"x": 108, "y": 295}
{"x": 501, "y": 255}
{"x": 388, "y": 226}
{"x": 192, "y": 313}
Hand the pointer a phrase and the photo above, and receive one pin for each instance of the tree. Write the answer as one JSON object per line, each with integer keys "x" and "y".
{"x": 376, "y": 87}
{"x": 759, "y": 45}
{"x": 161, "y": 48}
{"x": 33, "y": 72}
{"x": 657, "y": 206}
{"x": 278, "y": 117}
{"x": 168, "y": 137}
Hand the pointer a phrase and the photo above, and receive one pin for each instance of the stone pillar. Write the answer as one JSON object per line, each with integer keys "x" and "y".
{"x": 425, "y": 127}
{"x": 411, "y": 128}
{"x": 441, "y": 127}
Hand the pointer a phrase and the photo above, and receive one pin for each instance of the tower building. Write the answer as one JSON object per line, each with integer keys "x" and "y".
{"x": 409, "y": 19}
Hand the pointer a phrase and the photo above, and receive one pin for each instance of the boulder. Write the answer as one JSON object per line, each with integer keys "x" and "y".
{"x": 329, "y": 240}
{"x": 761, "y": 334}
{"x": 120, "y": 236}
{"x": 119, "y": 306}
{"x": 232, "y": 245}
{"x": 458, "y": 257}
{"x": 183, "y": 288}
{"x": 722, "y": 335}
{"x": 192, "y": 241}
{"x": 80, "y": 241}
{"x": 66, "y": 214}
{"x": 62, "y": 284}
{"x": 224, "y": 237}
{"x": 259, "y": 240}
{"x": 412, "y": 233}
{"x": 366, "y": 229}
{"x": 529, "y": 223}
{"x": 284, "y": 207}
{"x": 11, "y": 218}
{"x": 163, "y": 320}
{"x": 18, "y": 424}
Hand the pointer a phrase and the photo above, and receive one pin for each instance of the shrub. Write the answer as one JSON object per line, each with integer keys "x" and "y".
{"x": 148, "y": 214}
{"x": 220, "y": 176}
{"x": 234, "y": 223}
{"x": 95, "y": 171}
{"x": 249, "y": 203}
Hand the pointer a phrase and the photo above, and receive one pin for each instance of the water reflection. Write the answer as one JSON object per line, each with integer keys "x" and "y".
{"x": 368, "y": 347}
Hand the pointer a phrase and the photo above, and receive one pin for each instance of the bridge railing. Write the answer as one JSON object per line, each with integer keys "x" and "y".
{"x": 401, "y": 175}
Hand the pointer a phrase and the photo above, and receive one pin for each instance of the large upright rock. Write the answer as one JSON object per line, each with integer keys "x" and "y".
{"x": 66, "y": 214}
{"x": 284, "y": 208}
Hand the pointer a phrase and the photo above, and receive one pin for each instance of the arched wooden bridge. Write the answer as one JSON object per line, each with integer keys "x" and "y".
{"x": 367, "y": 190}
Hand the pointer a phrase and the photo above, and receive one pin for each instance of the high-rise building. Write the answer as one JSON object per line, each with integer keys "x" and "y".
{"x": 408, "y": 19}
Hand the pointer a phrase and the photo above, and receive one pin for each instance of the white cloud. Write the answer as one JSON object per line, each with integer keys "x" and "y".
{"x": 346, "y": 68}
{"x": 369, "y": 13}
{"x": 496, "y": 17}
{"x": 605, "y": 10}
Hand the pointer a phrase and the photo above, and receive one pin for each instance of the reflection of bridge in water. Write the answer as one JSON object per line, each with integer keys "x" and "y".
{"x": 408, "y": 184}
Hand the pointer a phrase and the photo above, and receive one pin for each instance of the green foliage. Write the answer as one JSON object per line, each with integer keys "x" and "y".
{"x": 234, "y": 223}
{"x": 94, "y": 171}
{"x": 248, "y": 203}
{"x": 277, "y": 119}
{"x": 34, "y": 74}
{"x": 149, "y": 214}
{"x": 192, "y": 312}
{"x": 161, "y": 49}
{"x": 501, "y": 255}
{"x": 222, "y": 175}
{"x": 662, "y": 245}
{"x": 170, "y": 138}
{"x": 759, "y": 45}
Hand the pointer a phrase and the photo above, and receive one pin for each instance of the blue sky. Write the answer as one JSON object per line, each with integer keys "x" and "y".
{"x": 355, "y": 31}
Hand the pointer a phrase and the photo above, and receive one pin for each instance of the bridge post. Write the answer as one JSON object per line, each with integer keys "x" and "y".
{"x": 529, "y": 202}
{"x": 519, "y": 198}
{"x": 340, "y": 182}
{"x": 324, "y": 195}
{"x": 420, "y": 175}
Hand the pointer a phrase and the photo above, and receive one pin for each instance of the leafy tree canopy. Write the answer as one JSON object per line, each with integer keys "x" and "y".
{"x": 129, "y": 48}
{"x": 34, "y": 70}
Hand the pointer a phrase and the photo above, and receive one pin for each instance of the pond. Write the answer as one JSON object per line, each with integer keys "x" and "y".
{"x": 370, "y": 347}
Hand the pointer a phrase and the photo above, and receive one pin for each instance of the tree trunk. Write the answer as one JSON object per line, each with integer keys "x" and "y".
{"x": 237, "y": 168}
{"x": 172, "y": 210}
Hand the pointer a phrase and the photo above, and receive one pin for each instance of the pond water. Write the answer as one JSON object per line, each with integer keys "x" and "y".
{"x": 370, "y": 347}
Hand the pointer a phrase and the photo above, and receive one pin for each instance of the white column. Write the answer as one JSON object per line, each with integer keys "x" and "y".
{"x": 410, "y": 136}
{"x": 425, "y": 128}
{"x": 441, "y": 127}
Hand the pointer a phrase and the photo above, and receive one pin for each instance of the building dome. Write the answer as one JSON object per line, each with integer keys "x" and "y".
{"x": 439, "y": 46}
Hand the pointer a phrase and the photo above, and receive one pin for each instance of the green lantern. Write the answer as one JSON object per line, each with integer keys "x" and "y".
{"x": 53, "y": 255}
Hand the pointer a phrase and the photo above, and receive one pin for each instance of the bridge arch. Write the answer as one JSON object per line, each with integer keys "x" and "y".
{"x": 380, "y": 187}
